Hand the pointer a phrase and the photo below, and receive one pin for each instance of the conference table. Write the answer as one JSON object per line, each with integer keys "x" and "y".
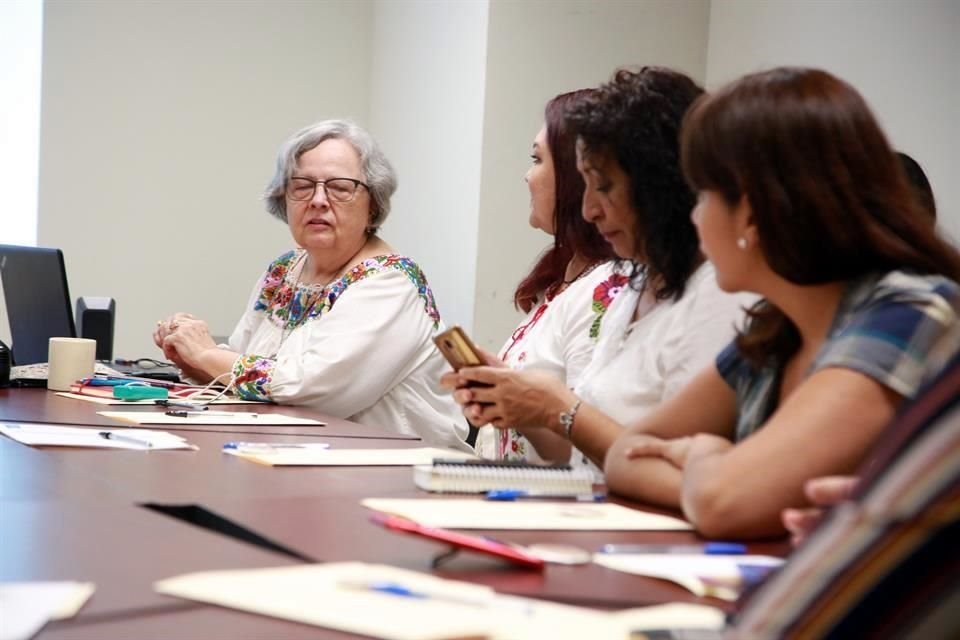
{"x": 125, "y": 519}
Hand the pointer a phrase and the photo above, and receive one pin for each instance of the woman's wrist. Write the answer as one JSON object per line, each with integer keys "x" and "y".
{"x": 563, "y": 413}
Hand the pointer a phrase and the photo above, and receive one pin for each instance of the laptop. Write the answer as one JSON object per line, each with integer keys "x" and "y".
{"x": 38, "y": 308}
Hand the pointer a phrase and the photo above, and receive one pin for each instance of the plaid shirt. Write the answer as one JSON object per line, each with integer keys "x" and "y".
{"x": 898, "y": 328}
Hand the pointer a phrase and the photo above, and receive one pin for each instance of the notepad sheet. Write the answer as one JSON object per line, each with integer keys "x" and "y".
{"x": 537, "y": 516}
{"x": 349, "y": 457}
{"x": 239, "y": 417}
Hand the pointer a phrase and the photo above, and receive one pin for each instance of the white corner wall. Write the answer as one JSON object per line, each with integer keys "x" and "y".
{"x": 160, "y": 126}
{"x": 426, "y": 111}
{"x": 536, "y": 50}
{"x": 901, "y": 55}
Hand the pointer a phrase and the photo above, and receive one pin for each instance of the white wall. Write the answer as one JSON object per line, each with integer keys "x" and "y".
{"x": 160, "y": 122}
{"x": 160, "y": 125}
{"x": 902, "y": 56}
{"x": 536, "y": 50}
{"x": 426, "y": 110}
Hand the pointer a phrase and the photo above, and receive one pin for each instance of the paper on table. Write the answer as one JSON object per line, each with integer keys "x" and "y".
{"x": 542, "y": 516}
{"x": 48, "y": 435}
{"x": 152, "y": 403}
{"x": 459, "y": 610}
{"x": 235, "y": 417}
{"x": 350, "y": 457}
{"x": 26, "y": 606}
{"x": 689, "y": 570}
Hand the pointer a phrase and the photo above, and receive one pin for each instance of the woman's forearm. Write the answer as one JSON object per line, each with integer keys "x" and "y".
{"x": 216, "y": 362}
{"x": 651, "y": 479}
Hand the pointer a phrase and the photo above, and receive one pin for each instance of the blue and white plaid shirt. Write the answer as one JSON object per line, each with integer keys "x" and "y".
{"x": 899, "y": 328}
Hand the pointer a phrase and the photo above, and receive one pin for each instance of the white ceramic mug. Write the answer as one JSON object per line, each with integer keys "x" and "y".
{"x": 70, "y": 359}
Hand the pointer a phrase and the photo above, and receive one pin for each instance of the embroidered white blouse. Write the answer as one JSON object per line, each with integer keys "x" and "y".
{"x": 558, "y": 335}
{"x": 637, "y": 365}
{"x": 359, "y": 348}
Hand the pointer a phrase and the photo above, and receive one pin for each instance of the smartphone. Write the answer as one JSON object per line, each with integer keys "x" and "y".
{"x": 461, "y": 541}
{"x": 457, "y": 348}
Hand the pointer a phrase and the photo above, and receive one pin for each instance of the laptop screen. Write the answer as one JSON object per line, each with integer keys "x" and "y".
{"x": 37, "y": 299}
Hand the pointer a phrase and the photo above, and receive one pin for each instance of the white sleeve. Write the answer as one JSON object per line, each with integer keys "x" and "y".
{"x": 346, "y": 360}
{"x": 240, "y": 338}
{"x": 578, "y": 317}
{"x": 703, "y": 325}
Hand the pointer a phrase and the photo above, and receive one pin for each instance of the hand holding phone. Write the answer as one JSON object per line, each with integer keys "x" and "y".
{"x": 458, "y": 349}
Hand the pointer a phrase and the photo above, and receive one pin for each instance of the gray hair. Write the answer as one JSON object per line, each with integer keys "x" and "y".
{"x": 376, "y": 169}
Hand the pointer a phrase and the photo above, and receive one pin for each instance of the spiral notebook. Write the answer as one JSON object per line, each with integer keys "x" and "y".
{"x": 481, "y": 476}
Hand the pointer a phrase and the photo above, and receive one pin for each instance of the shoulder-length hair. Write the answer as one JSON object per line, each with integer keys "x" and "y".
{"x": 572, "y": 234}
{"x": 377, "y": 171}
{"x": 830, "y": 199}
{"x": 635, "y": 119}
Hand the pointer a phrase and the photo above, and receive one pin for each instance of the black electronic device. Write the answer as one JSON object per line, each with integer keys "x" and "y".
{"x": 6, "y": 361}
{"x": 95, "y": 320}
{"x": 37, "y": 299}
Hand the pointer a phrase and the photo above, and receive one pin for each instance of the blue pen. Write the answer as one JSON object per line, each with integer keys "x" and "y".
{"x": 510, "y": 495}
{"x": 397, "y": 589}
{"x": 709, "y": 548}
{"x": 270, "y": 446}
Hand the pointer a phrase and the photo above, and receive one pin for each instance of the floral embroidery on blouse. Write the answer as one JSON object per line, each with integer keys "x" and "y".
{"x": 512, "y": 445}
{"x": 253, "y": 375}
{"x": 603, "y": 295}
{"x": 290, "y": 308}
{"x": 289, "y": 305}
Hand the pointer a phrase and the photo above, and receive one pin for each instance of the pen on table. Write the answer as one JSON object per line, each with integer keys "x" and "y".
{"x": 115, "y": 437}
{"x": 709, "y": 548}
{"x": 509, "y": 495}
{"x": 183, "y": 405}
{"x": 397, "y": 589}
{"x": 270, "y": 446}
{"x": 185, "y": 414}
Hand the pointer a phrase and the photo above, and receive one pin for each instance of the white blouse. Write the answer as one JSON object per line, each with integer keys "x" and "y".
{"x": 639, "y": 364}
{"x": 558, "y": 335}
{"x": 359, "y": 348}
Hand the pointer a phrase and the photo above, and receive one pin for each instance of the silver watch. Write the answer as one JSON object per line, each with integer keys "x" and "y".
{"x": 566, "y": 419}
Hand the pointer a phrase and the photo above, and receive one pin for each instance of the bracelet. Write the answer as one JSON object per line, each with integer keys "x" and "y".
{"x": 566, "y": 419}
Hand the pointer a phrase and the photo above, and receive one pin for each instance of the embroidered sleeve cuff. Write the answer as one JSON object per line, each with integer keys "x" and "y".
{"x": 254, "y": 374}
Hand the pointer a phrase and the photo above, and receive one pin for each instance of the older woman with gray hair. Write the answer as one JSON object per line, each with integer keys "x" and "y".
{"x": 343, "y": 323}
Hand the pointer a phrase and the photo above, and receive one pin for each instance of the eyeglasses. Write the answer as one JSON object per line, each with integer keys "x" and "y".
{"x": 337, "y": 189}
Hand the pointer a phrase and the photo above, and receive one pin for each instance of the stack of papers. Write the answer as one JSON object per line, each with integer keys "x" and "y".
{"x": 717, "y": 576}
{"x": 539, "y": 516}
{"x": 26, "y": 606}
{"x": 48, "y": 435}
{"x": 316, "y": 456}
{"x": 417, "y": 606}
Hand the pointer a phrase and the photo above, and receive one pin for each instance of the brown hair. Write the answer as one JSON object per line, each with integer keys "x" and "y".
{"x": 572, "y": 234}
{"x": 830, "y": 200}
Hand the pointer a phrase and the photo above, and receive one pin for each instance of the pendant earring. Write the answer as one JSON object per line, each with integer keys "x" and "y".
{"x": 742, "y": 243}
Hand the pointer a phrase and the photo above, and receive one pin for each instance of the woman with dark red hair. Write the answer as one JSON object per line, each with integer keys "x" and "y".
{"x": 566, "y": 292}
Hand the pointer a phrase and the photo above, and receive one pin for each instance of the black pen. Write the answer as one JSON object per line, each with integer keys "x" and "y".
{"x": 186, "y": 414}
{"x": 182, "y": 405}
{"x": 110, "y": 435}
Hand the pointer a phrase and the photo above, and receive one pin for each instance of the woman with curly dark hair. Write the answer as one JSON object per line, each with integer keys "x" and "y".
{"x": 802, "y": 201}
{"x": 669, "y": 320}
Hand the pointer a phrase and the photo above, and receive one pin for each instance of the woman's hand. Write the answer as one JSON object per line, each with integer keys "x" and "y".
{"x": 455, "y": 379}
{"x": 168, "y": 326}
{"x": 823, "y": 493}
{"x": 507, "y": 398}
{"x": 677, "y": 451}
{"x": 186, "y": 340}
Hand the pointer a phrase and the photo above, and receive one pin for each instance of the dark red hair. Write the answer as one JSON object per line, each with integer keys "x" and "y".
{"x": 572, "y": 234}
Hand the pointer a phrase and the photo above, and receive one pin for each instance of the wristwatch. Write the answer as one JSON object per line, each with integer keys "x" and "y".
{"x": 566, "y": 419}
